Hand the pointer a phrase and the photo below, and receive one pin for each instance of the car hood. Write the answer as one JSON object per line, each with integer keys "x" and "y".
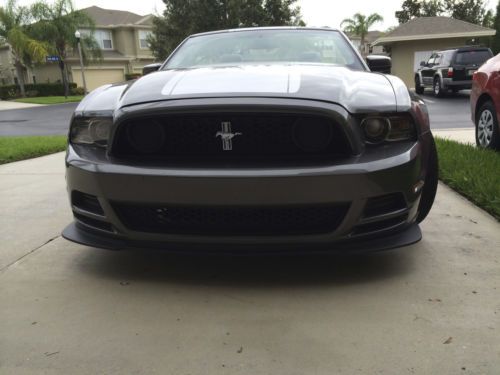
{"x": 357, "y": 91}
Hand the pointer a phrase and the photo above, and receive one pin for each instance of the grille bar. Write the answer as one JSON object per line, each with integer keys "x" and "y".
{"x": 295, "y": 220}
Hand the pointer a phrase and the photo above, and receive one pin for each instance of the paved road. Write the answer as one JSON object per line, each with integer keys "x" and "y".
{"x": 45, "y": 120}
{"x": 450, "y": 112}
{"x": 431, "y": 308}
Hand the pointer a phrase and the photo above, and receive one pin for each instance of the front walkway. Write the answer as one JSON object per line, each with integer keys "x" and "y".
{"x": 462, "y": 135}
{"x": 6, "y": 105}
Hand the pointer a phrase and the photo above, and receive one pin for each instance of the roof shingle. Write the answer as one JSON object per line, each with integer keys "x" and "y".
{"x": 423, "y": 28}
{"x": 110, "y": 17}
{"x": 434, "y": 25}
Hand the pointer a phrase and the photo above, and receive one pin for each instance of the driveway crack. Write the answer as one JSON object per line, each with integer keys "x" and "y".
{"x": 5, "y": 268}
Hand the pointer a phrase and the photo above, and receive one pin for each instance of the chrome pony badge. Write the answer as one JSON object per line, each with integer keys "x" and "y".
{"x": 227, "y": 136}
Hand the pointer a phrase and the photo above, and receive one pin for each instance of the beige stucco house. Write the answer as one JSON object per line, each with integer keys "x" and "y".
{"x": 414, "y": 41}
{"x": 122, "y": 37}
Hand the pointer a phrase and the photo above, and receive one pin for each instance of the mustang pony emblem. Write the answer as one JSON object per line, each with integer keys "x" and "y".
{"x": 227, "y": 136}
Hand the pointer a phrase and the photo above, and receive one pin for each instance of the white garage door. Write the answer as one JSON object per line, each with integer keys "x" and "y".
{"x": 420, "y": 56}
{"x": 98, "y": 77}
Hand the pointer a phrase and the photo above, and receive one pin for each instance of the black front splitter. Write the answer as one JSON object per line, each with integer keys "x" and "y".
{"x": 406, "y": 237}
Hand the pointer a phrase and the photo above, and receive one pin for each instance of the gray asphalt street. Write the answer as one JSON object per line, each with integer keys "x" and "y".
{"x": 449, "y": 112}
{"x": 47, "y": 120}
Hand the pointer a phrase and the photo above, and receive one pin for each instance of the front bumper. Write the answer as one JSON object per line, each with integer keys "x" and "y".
{"x": 398, "y": 169}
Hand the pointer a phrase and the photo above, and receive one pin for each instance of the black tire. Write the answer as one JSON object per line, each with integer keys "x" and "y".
{"x": 487, "y": 132}
{"x": 438, "y": 89}
{"x": 430, "y": 185}
{"x": 419, "y": 89}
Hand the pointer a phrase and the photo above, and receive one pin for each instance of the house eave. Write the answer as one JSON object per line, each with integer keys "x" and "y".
{"x": 475, "y": 34}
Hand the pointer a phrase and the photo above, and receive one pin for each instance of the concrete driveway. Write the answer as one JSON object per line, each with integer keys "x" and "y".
{"x": 432, "y": 308}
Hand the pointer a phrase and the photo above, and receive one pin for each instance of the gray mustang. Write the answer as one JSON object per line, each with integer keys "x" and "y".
{"x": 249, "y": 140}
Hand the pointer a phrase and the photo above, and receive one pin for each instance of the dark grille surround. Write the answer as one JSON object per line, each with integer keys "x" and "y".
{"x": 259, "y": 136}
{"x": 295, "y": 220}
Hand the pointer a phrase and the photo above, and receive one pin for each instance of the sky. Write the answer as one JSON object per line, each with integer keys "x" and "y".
{"x": 314, "y": 12}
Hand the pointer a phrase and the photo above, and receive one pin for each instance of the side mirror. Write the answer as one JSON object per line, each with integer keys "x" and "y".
{"x": 379, "y": 63}
{"x": 423, "y": 63}
{"x": 151, "y": 68}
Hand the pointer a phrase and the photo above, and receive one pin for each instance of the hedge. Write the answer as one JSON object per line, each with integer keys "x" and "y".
{"x": 32, "y": 90}
{"x": 132, "y": 76}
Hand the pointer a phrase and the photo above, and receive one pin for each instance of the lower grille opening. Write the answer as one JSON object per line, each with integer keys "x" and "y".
{"x": 94, "y": 223}
{"x": 297, "y": 220}
{"x": 86, "y": 202}
{"x": 380, "y": 225}
{"x": 384, "y": 204}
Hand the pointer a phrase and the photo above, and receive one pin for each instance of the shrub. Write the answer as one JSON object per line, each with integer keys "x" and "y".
{"x": 43, "y": 89}
{"x": 131, "y": 76}
{"x": 78, "y": 91}
{"x": 31, "y": 93}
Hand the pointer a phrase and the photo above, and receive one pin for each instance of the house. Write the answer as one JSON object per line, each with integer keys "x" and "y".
{"x": 414, "y": 41}
{"x": 367, "y": 48}
{"x": 122, "y": 37}
{"x": 7, "y": 70}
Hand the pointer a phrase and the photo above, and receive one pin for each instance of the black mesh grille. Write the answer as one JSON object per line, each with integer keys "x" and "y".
{"x": 269, "y": 137}
{"x": 232, "y": 220}
{"x": 86, "y": 202}
{"x": 384, "y": 204}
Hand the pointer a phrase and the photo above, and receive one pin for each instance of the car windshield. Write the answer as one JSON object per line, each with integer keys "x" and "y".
{"x": 266, "y": 46}
{"x": 473, "y": 57}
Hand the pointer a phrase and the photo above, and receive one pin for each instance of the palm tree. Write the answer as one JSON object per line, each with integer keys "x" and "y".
{"x": 56, "y": 24}
{"x": 13, "y": 31}
{"x": 359, "y": 25}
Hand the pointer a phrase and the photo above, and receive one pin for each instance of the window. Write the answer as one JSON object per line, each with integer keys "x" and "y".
{"x": 143, "y": 38}
{"x": 473, "y": 57}
{"x": 266, "y": 46}
{"x": 102, "y": 37}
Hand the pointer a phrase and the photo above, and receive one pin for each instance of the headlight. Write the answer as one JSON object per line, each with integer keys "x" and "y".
{"x": 378, "y": 129}
{"x": 91, "y": 130}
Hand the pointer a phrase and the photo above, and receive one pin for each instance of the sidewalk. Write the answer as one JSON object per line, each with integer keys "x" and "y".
{"x": 6, "y": 105}
{"x": 462, "y": 135}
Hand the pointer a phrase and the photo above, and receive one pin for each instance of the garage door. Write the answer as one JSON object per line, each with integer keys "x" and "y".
{"x": 98, "y": 77}
{"x": 419, "y": 57}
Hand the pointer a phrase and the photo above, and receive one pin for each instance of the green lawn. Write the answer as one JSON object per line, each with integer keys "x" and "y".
{"x": 50, "y": 99}
{"x": 20, "y": 148}
{"x": 472, "y": 172}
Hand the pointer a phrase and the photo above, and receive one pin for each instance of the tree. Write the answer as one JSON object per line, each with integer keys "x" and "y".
{"x": 472, "y": 11}
{"x": 282, "y": 13}
{"x": 409, "y": 9}
{"x": 496, "y": 26}
{"x": 25, "y": 49}
{"x": 489, "y": 19}
{"x": 431, "y": 8}
{"x": 185, "y": 17}
{"x": 56, "y": 24}
{"x": 360, "y": 25}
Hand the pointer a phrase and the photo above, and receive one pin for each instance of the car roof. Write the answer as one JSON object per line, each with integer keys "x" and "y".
{"x": 465, "y": 48}
{"x": 265, "y": 28}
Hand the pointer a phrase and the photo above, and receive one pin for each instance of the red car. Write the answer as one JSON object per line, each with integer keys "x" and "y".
{"x": 485, "y": 104}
